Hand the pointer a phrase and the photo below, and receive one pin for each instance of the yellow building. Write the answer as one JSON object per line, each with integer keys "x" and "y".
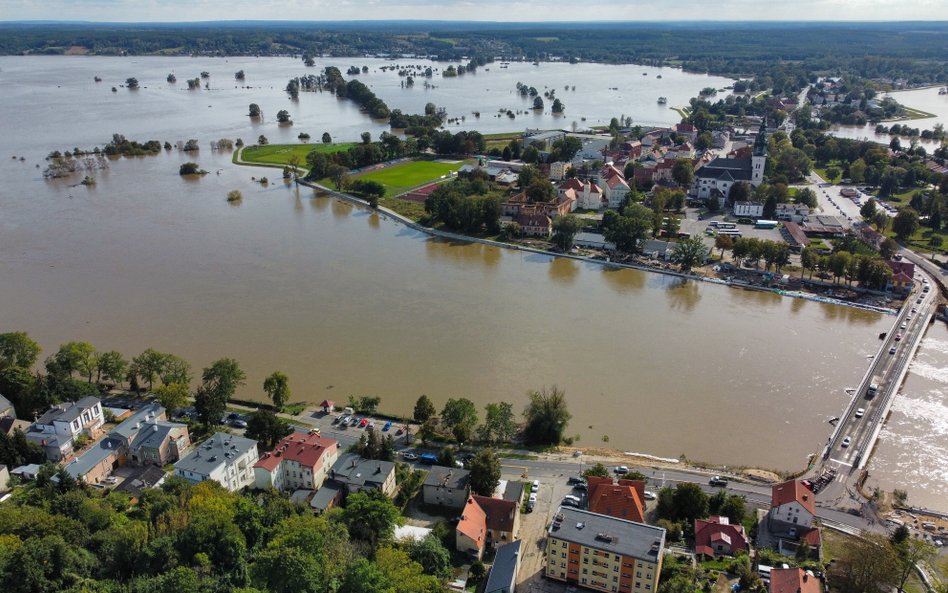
{"x": 604, "y": 553}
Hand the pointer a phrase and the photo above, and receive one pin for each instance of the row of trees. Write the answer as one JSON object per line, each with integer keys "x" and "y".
{"x": 466, "y": 204}
{"x": 546, "y": 417}
{"x": 78, "y": 369}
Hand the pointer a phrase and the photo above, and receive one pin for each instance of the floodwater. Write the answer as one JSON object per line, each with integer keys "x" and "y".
{"x": 927, "y": 100}
{"x": 912, "y": 453}
{"x": 348, "y": 303}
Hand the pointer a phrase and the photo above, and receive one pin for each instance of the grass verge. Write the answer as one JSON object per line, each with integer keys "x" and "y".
{"x": 282, "y": 154}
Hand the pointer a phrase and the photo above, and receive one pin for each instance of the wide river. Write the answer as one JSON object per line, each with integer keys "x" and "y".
{"x": 348, "y": 303}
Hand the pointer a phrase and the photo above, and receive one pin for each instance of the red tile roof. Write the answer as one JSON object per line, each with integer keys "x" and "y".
{"x": 715, "y": 529}
{"x": 791, "y": 491}
{"x": 572, "y": 184}
{"x": 793, "y": 580}
{"x": 901, "y": 267}
{"x": 327, "y": 403}
{"x": 305, "y": 449}
{"x": 616, "y": 500}
{"x": 473, "y": 522}
{"x": 499, "y": 512}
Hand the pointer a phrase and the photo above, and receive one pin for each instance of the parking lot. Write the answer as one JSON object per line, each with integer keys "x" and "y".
{"x": 696, "y": 228}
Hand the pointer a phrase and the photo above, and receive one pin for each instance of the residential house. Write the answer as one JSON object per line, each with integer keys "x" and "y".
{"x": 658, "y": 249}
{"x": 794, "y": 580}
{"x": 558, "y": 170}
{"x": 6, "y": 408}
{"x": 715, "y": 536}
{"x": 604, "y": 553}
{"x": 97, "y": 462}
{"x": 26, "y": 472}
{"x": 148, "y": 438}
{"x": 562, "y": 203}
{"x": 614, "y": 186}
{"x": 689, "y": 131}
{"x": 790, "y": 521}
{"x": 352, "y": 473}
{"x": 57, "y": 430}
{"x": 225, "y": 458}
{"x": 10, "y": 423}
{"x": 903, "y": 273}
{"x": 447, "y": 487}
{"x": 327, "y": 497}
{"x": 298, "y": 461}
{"x": 792, "y": 212}
{"x": 503, "y": 572}
{"x": 748, "y": 209}
{"x": 470, "y": 535}
{"x": 534, "y": 224}
{"x": 149, "y": 476}
{"x": 633, "y": 148}
{"x": 622, "y": 499}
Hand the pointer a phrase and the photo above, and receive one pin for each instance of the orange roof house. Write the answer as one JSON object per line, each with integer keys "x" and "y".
{"x": 622, "y": 500}
{"x": 715, "y": 536}
{"x": 793, "y": 580}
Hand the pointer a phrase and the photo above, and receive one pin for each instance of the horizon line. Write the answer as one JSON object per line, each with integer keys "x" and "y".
{"x": 468, "y": 22}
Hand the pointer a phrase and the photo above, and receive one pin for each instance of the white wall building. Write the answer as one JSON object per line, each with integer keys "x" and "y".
{"x": 225, "y": 458}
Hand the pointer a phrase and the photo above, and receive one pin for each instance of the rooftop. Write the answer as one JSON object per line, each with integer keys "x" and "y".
{"x": 80, "y": 466}
{"x": 791, "y": 491}
{"x": 609, "y": 534}
{"x": 357, "y": 471}
{"x": 500, "y": 513}
{"x": 131, "y": 426}
{"x": 447, "y": 477}
{"x": 504, "y": 570}
{"x": 793, "y": 580}
{"x": 324, "y": 496}
{"x": 305, "y": 449}
{"x": 215, "y": 451}
{"x": 68, "y": 411}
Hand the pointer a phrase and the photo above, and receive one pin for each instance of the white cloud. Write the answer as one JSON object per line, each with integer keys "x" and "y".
{"x": 468, "y": 10}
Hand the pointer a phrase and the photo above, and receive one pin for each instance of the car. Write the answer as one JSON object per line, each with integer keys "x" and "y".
{"x": 238, "y": 423}
{"x": 918, "y": 301}
{"x": 581, "y": 486}
{"x": 355, "y": 421}
{"x": 860, "y": 412}
{"x": 337, "y": 419}
{"x": 904, "y": 325}
{"x": 892, "y": 350}
{"x": 111, "y": 480}
{"x": 233, "y": 416}
{"x": 649, "y": 495}
{"x": 575, "y": 480}
{"x": 718, "y": 481}
{"x": 909, "y": 317}
{"x": 569, "y": 503}
{"x": 530, "y": 506}
{"x": 535, "y": 487}
{"x": 387, "y": 426}
{"x": 846, "y": 441}
{"x": 914, "y": 309}
{"x": 371, "y": 424}
{"x": 408, "y": 456}
{"x": 399, "y": 432}
{"x": 621, "y": 469}
{"x": 533, "y": 498}
{"x": 314, "y": 431}
{"x": 573, "y": 498}
{"x": 346, "y": 420}
{"x": 898, "y": 337}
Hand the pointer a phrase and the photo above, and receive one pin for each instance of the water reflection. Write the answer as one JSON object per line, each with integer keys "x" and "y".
{"x": 564, "y": 270}
{"x": 624, "y": 280}
{"x": 373, "y": 219}
{"x": 320, "y": 202}
{"x": 683, "y": 294}
{"x": 850, "y": 315}
{"x": 341, "y": 210}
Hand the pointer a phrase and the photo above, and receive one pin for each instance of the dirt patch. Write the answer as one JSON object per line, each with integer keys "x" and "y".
{"x": 77, "y": 50}
{"x": 761, "y": 474}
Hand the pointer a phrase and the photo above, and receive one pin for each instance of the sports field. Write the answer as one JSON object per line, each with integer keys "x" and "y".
{"x": 280, "y": 154}
{"x": 400, "y": 178}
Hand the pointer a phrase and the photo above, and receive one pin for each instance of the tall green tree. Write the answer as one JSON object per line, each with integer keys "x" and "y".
{"x": 564, "y": 231}
{"x": 371, "y": 516}
{"x": 690, "y": 252}
{"x": 172, "y": 396}
{"x": 431, "y": 554}
{"x": 71, "y": 358}
{"x": 485, "y": 472}
{"x": 906, "y": 223}
{"x": 18, "y": 349}
{"x": 499, "y": 423}
{"x": 148, "y": 366}
{"x": 546, "y": 415}
{"x": 277, "y": 386}
{"x": 110, "y": 366}
{"x": 460, "y": 416}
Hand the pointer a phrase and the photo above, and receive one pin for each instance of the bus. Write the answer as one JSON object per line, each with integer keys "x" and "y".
{"x": 727, "y": 225}
{"x": 730, "y": 232}
{"x": 766, "y": 224}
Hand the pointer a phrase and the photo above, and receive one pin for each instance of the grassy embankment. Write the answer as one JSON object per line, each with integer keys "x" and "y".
{"x": 280, "y": 155}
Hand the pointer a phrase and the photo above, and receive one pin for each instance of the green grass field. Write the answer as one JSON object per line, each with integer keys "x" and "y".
{"x": 280, "y": 154}
{"x": 402, "y": 177}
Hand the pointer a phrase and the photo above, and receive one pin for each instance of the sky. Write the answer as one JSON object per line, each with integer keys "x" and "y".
{"x": 473, "y": 10}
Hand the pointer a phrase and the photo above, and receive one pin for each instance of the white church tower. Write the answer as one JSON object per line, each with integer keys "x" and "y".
{"x": 759, "y": 158}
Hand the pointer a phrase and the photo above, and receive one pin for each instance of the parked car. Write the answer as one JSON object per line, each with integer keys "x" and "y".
{"x": 568, "y": 502}
{"x": 621, "y": 470}
{"x": 238, "y": 423}
{"x": 533, "y": 498}
{"x": 575, "y": 480}
{"x": 387, "y": 426}
{"x": 718, "y": 481}
{"x": 535, "y": 487}
{"x": 581, "y": 486}
{"x": 846, "y": 441}
{"x": 409, "y": 456}
{"x": 649, "y": 495}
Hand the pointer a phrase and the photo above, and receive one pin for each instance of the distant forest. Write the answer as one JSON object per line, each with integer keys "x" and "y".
{"x": 916, "y": 52}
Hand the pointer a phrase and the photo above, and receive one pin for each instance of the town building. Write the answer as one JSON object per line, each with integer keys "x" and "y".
{"x": 792, "y": 212}
{"x": 903, "y": 274}
{"x": 604, "y": 553}
{"x": 585, "y": 194}
{"x": 503, "y": 572}
{"x": 622, "y": 499}
{"x": 748, "y": 209}
{"x": 562, "y": 203}
{"x": 447, "y": 487}
{"x": 298, "y": 461}
{"x": 352, "y": 473}
{"x": 559, "y": 170}
{"x": 794, "y": 580}
{"x": 543, "y": 140}
{"x": 715, "y": 536}
{"x": 715, "y": 179}
{"x": 534, "y": 224}
{"x": 470, "y": 535}
{"x": 790, "y": 522}
{"x": 225, "y": 458}
{"x": 57, "y": 430}
{"x": 486, "y": 522}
